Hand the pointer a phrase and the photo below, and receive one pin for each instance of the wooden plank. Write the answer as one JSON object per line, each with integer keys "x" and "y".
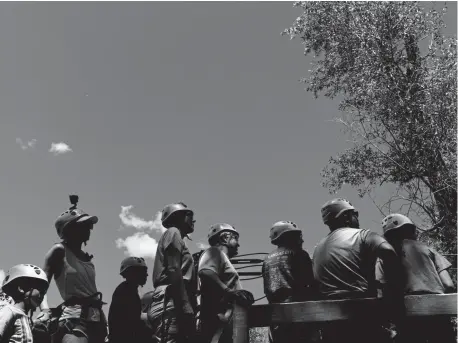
{"x": 240, "y": 333}
{"x": 249, "y": 273}
{"x": 333, "y": 310}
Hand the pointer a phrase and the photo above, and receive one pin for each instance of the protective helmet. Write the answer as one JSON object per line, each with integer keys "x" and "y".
{"x": 25, "y": 272}
{"x": 73, "y": 214}
{"x": 132, "y": 262}
{"x": 334, "y": 208}
{"x": 395, "y": 221}
{"x": 281, "y": 227}
{"x": 171, "y": 209}
{"x": 216, "y": 229}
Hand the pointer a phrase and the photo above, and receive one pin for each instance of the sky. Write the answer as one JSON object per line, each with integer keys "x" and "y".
{"x": 136, "y": 105}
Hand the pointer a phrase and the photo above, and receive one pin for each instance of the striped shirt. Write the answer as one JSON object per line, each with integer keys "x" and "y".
{"x": 15, "y": 326}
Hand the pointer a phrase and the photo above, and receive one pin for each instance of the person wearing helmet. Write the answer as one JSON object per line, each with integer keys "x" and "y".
{"x": 220, "y": 285}
{"x": 81, "y": 319}
{"x": 288, "y": 277}
{"x": 424, "y": 271}
{"x": 26, "y": 284}
{"x": 125, "y": 322}
{"x": 174, "y": 301}
{"x": 344, "y": 267}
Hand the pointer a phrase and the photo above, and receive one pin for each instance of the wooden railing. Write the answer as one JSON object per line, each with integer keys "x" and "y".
{"x": 333, "y": 310}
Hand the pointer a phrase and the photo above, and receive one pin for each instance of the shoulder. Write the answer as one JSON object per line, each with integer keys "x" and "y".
{"x": 212, "y": 258}
{"x": 121, "y": 289}
{"x": 172, "y": 237}
{"x": 173, "y": 234}
{"x": 212, "y": 253}
{"x": 57, "y": 250}
{"x": 55, "y": 255}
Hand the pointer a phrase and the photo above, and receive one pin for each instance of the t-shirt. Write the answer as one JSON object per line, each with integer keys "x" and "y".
{"x": 124, "y": 315}
{"x": 422, "y": 266}
{"x": 211, "y": 296}
{"x": 172, "y": 239}
{"x": 344, "y": 263}
{"x": 287, "y": 273}
{"x": 15, "y": 326}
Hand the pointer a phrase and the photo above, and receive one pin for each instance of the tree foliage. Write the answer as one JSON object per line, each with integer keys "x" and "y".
{"x": 396, "y": 73}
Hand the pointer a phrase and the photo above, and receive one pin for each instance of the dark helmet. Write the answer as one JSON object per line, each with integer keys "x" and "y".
{"x": 73, "y": 214}
{"x": 216, "y": 229}
{"x": 334, "y": 208}
{"x": 172, "y": 209}
{"x": 130, "y": 262}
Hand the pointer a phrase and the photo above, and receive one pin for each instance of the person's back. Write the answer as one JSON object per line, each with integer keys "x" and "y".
{"x": 422, "y": 266}
{"x": 287, "y": 274}
{"x": 344, "y": 267}
{"x": 288, "y": 277}
{"x": 124, "y": 317}
{"x": 124, "y": 314}
{"x": 344, "y": 263}
{"x": 424, "y": 272}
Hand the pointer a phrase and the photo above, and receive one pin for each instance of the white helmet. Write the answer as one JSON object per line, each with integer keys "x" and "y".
{"x": 395, "y": 221}
{"x": 24, "y": 273}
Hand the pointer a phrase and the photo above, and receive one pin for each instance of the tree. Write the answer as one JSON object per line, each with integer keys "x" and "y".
{"x": 396, "y": 73}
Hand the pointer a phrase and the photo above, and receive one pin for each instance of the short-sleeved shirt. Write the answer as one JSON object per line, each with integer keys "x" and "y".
{"x": 172, "y": 238}
{"x": 124, "y": 315}
{"x": 344, "y": 263}
{"x": 211, "y": 296}
{"x": 287, "y": 273}
{"x": 14, "y": 325}
{"x": 422, "y": 266}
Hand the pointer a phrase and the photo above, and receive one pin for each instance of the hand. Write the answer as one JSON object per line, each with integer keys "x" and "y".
{"x": 44, "y": 316}
{"x": 241, "y": 297}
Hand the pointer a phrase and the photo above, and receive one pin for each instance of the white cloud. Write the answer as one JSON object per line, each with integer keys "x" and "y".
{"x": 202, "y": 245}
{"x": 26, "y": 145}
{"x": 2, "y": 276}
{"x": 129, "y": 219}
{"x": 59, "y": 148}
{"x": 139, "y": 244}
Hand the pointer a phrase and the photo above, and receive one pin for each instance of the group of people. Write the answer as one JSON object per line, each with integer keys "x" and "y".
{"x": 193, "y": 302}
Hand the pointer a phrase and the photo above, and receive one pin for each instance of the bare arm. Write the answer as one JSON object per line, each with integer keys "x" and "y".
{"x": 447, "y": 282}
{"x": 52, "y": 266}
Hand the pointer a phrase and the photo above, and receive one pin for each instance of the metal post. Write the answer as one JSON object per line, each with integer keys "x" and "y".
{"x": 240, "y": 325}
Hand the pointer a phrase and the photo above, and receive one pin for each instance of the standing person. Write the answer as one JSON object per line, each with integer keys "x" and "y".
{"x": 344, "y": 267}
{"x": 82, "y": 319}
{"x": 125, "y": 322}
{"x": 26, "y": 284}
{"x": 220, "y": 285}
{"x": 288, "y": 277}
{"x": 171, "y": 313}
{"x": 425, "y": 272}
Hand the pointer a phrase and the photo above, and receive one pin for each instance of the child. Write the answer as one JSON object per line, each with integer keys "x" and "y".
{"x": 125, "y": 316}
{"x": 288, "y": 277}
{"x": 424, "y": 272}
{"x": 26, "y": 284}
